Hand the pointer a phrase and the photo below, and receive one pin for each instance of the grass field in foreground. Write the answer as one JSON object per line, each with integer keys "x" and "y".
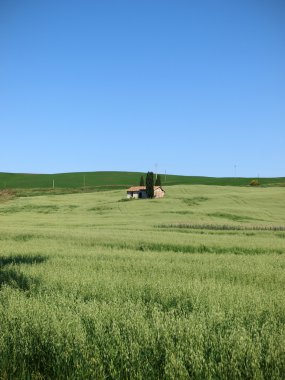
{"x": 90, "y": 180}
{"x": 190, "y": 286}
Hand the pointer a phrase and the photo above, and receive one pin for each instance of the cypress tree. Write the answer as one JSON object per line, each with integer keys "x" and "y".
{"x": 149, "y": 185}
{"x": 142, "y": 181}
{"x": 158, "y": 180}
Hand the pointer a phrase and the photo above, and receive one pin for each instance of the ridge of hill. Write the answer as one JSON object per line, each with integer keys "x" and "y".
{"x": 117, "y": 179}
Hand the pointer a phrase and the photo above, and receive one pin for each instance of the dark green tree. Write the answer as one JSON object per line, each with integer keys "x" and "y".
{"x": 158, "y": 180}
{"x": 149, "y": 185}
{"x": 142, "y": 181}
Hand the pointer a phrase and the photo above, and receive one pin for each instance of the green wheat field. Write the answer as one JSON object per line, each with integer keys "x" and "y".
{"x": 191, "y": 286}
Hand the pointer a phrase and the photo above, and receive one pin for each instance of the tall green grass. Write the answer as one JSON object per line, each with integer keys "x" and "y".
{"x": 95, "y": 288}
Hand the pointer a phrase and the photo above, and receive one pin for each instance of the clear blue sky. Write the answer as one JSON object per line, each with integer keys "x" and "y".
{"x": 195, "y": 87}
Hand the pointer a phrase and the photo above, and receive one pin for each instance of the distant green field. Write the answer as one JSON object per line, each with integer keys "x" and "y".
{"x": 191, "y": 286}
{"x": 116, "y": 180}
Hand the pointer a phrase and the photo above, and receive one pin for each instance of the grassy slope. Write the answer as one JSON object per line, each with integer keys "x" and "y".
{"x": 92, "y": 287}
{"x": 117, "y": 179}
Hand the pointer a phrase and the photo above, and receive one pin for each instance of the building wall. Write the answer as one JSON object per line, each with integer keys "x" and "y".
{"x": 158, "y": 193}
{"x": 133, "y": 194}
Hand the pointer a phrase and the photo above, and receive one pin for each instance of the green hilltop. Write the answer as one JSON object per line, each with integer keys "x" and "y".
{"x": 114, "y": 180}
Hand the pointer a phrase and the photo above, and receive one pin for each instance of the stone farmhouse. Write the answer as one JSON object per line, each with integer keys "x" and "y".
{"x": 140, "y": 192}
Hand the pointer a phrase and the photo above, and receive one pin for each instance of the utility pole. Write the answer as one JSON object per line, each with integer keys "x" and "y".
{"x": 155, "y": 171}
{"x": 53, "y": 183}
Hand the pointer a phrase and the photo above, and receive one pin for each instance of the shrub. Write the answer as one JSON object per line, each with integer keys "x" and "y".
{"x": 254, "y": 182}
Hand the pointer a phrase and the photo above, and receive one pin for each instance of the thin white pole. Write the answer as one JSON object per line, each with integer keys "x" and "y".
{"x": 53, "y": 183}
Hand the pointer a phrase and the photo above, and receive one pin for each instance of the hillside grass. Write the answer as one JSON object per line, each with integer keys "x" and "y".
{"x": 190, "y": 286}
{"x": 91, "y": 181}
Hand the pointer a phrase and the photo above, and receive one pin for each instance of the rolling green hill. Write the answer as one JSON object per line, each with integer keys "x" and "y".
{"x": 115, "y": 180}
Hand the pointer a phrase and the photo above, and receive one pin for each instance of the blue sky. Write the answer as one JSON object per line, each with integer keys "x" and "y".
{"x": 195, "y": 87}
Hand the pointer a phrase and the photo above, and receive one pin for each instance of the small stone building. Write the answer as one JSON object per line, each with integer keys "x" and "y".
{"x": 140, "y": 192}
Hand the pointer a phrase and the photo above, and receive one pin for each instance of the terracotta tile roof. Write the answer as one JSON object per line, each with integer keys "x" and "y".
{"x": 138, "y": 188}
